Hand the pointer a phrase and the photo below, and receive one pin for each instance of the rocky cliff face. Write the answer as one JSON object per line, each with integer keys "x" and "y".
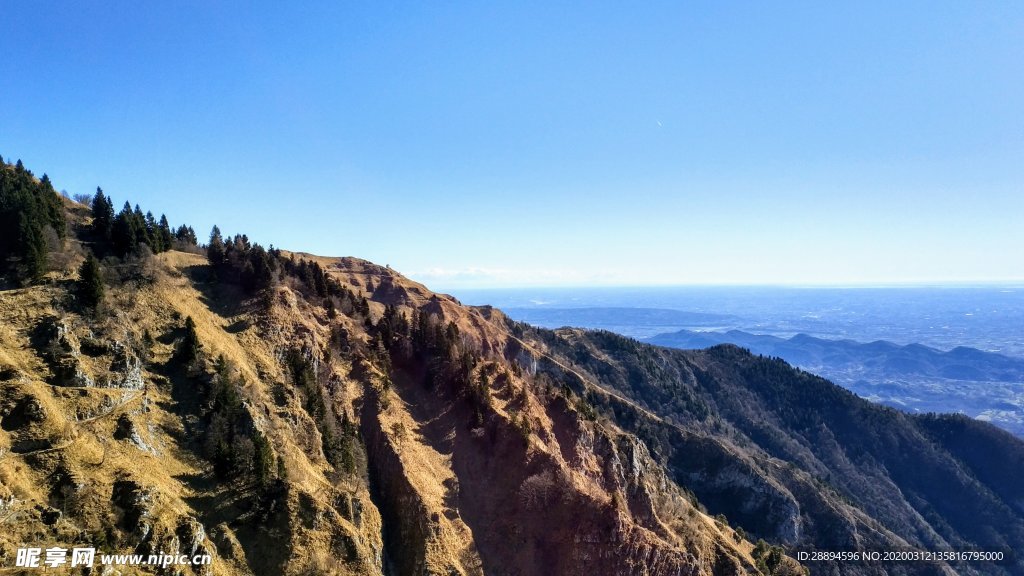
{"x": 346, "y": 420}
{"x": 796, "y": 460}
{"x": 391, "y": 450}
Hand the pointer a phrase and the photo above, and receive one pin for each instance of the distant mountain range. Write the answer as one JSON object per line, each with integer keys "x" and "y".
{"x": 282, "y": 413}
{"x": 913, "y": 377}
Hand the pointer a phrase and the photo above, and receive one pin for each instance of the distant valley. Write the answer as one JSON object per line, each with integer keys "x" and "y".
{"x": 912, "y": 377}
{"x": 284, "y": 413}
{"x": 916, "y": 378}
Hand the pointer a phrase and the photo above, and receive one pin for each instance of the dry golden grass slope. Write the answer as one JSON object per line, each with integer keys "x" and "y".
{"x": 533, "y": 486}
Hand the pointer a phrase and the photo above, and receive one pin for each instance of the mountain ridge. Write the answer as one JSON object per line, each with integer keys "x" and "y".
{"x": 295, "y": 414}
{"x": 910, "y": 377}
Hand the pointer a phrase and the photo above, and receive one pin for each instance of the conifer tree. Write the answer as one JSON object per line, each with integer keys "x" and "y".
{"x": 141, "y": 230}
{"x": 190, "y": 348}
{"x": 102, "y": 215}
{"x": 319, "y": 280}
{"x": 27, "y": 208}
{"x": 166, "y": 238}
{"x": 126, "y": 231}
{"x": 263, "y": 459}
{"x": 186, "y": 235}
{"x": 90, "y": 282}
{"x": 153, "y": 238}
{"x": 54, "y": 207}
{"x": 33, "y": 249}
{"x": 215, "y": 249}
{"x": 282, "y": 471}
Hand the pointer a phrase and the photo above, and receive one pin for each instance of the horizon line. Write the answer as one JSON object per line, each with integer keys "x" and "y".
{"x": 1019, "y": 282}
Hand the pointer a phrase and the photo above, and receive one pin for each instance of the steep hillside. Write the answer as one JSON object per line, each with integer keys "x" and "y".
{"x": 106, "y": 439}
{"x": 795, "y": 459}
{"x": 294, "y": 414}
{"x": 316, "y": 416}
{"x": 913, "y": 377}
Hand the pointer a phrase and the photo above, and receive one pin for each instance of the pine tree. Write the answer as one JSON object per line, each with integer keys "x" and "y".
{"x": 54, "y": 207}
{"x": 186, "y": 235}
{"x": 90, "y": 282}
{"x": 27, "y": 208}
{"x": 141, "y": 230}
{"x": 282, "y": 471}
{"x": 257, "y": 273}
{"x": 153, "y": 238}
{"x": 126, "y": 233}
{"x": 166, "y": 238}
{"x": 102, "y": 215}
{"x": 215, "y": 249}
{"x": 190, "y": 348}
{"x": 263, "y": 459}
{"x": 319, "y": 280}
{"x": 33, "y": 249}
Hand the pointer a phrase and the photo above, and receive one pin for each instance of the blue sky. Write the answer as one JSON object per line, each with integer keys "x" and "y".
{"x": 547, "y": 143}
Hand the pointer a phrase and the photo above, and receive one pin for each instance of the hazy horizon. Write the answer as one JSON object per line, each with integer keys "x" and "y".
{"x": 1001, "y": 283}
{"x": 942, "y": 316}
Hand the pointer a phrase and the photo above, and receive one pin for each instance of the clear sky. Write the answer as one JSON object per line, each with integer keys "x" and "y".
{"x": 547, "y": 143}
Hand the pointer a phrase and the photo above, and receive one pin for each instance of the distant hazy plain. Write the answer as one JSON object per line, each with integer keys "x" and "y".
{"x": 989, "y": 318}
